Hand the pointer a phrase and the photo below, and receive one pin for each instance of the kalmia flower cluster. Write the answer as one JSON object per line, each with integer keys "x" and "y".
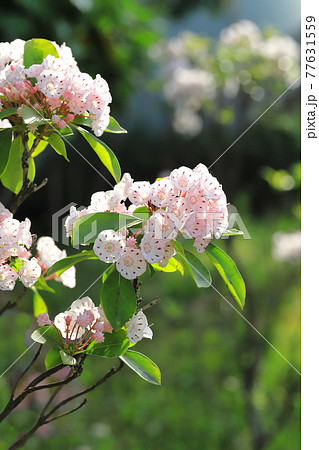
{"x": 15, "y": 257}
{"x": 84, "y": 323}
{"x": 188, "y": 201}
{"x": 48, "y": 254}
{"x": 61, "y": 90}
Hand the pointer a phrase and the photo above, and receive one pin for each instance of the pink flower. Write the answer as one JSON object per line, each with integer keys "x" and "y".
{"x": 43, "y": 319}
{"x": 85, "y": 319}
{"x": 98, "y": 336}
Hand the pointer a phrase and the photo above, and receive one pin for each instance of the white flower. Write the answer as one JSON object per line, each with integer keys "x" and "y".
{"x": 61, "y": 320}
{"x": 152, "y": 249}
{"x": 104, "y": 201}
{"x": 109, "y": 246}
{"x": 30, "y": 272}
{"x": 8, "y": 277}
{"x": 131, "y": 264}
{"x": 82, "y": 304}
{"x": 169, "y": 251}
{"x": 163, "y": 192}
{"x": 184, "y": 178}
{"x": 140, "y": 192}
{"x": 124, "y": 186}
{"x": 137, "y": 328}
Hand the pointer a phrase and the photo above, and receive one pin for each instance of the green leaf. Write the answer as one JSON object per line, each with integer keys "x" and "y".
{"x": 12, "y": 177}
{"x": 35, "y": 50}
{"x": 31, "y": 169}
{"x": 67, "y": 131}
{"x": 229, "y": 273}
{"x": 87, "y": 228}
{"x": 64, "y": 264}
{"x": 118, "y": 299}
{"x": 47, "y": 335}
{"x": 58, "y": 145}
{"x": 172, "y": 266}
{"x": 5, "y": 145}
{"x": 143, "y": 366}
{"x": 193, "y": 266}
{"x": 114, "y": 127}
{"x": 7, "y": 112}
{"x": 142, "y": 213}
{"x": 67, "y": 360}
{"x": 232, "y": 232}
{"x": 81, "y": 120}
{"x": 115, "y": 344}
{"x": 108, "y": 271}
{"x": 31, "y": 116}
{"x": 39, "y": 148}
{"x": 39, "y": 305}
{"x": 42, "y": 285}
{"x": 52, "y": 359}
{"x": 105, "y": 154}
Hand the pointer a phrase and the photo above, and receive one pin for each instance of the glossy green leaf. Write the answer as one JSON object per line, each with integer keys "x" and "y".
{"x": 229, "y": 273}
{"x": 143, "y": 366}
{"x": 64, "y": 264}
{"x": 5, "y": 145}
{"x": 115, "y": 127}
{"x": 57, "y": 143}
{"x": 47, "y": 335}
{"x": 172, "y": 266}
{"x": 109, "y": 269}
{"x": 115, "y": 344}
{"x": 52, "y": 359}
{"x": 142, "y": 213}
{"x": 193, "y": 266}
{"x": 104, "y": 153}
{"x": 67, "y": 360}
{"x": 118, "y": 299}
{"x": 31, "y": 169}
{"x": 35, "y": 50}
{"x": 39, "y": 305}
{"x": 31, "y": 116}
{"x": 39, "y": 148}
{"x": 42, "y": 285}
{"x": 12, "y": 177}
{"x": 7, "y": 112}
{"x": 87, "y": 228}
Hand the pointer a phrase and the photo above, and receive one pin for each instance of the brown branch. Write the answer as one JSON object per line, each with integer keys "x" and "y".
{"x": 44, "y": 417}
{"x": 67, "y": 413}
{"x": 108, "y": 374}
{"x": 11, "y": 304}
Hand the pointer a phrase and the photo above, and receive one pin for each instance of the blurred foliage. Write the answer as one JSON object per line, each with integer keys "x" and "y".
{"x": 223, "y": 386}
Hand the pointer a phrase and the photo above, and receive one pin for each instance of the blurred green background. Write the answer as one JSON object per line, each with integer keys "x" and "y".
{"x": 223, "y": 386}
